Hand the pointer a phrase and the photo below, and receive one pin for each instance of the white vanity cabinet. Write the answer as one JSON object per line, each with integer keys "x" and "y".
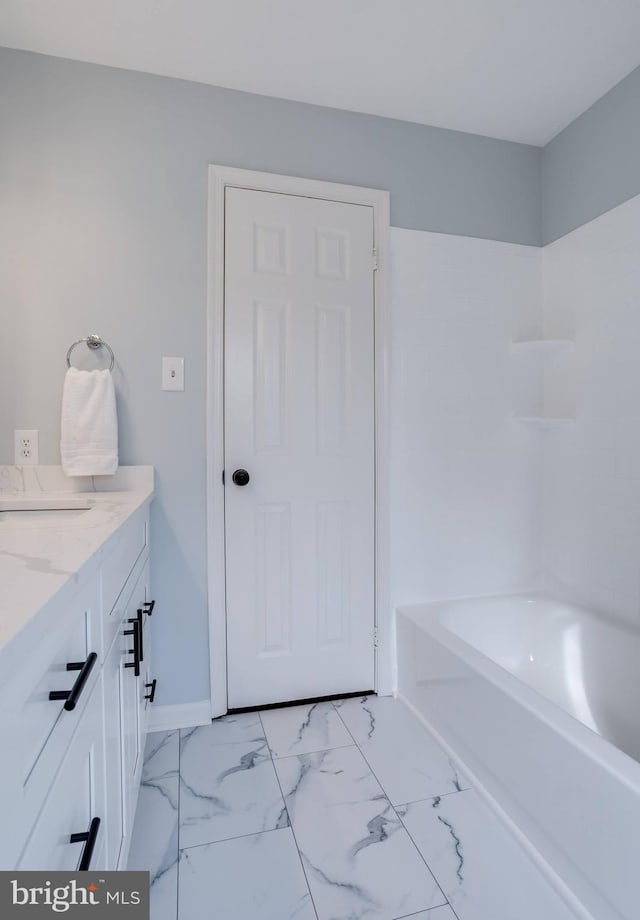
{"x": 71, "y": 767}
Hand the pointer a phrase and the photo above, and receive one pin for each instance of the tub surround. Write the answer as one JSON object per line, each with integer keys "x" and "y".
{"x": 49, "y": 562}
{"x": 465, "y": 478}
{"x": 591, "y": 471}
{"x": 571, "y": 796}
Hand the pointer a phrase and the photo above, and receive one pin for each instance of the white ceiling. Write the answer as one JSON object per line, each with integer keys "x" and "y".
{"x": 515, "y": 69}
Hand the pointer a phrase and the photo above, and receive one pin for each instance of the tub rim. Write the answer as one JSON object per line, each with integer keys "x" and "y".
{"x": 425, "y": 615}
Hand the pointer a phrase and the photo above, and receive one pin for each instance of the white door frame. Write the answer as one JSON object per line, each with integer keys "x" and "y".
{"x": 219, "y": 178}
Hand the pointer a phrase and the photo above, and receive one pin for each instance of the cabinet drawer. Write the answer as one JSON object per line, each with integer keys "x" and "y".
{"x": 74, "y": 800}
{"x": 115, "y": 586}
{"x": 40, "y": 721}
{"x": 39, "y": 730}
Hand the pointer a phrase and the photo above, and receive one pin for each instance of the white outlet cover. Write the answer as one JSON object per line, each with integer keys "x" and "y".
{"x": 172, "y": 373}
{"x": 25, "y": 444}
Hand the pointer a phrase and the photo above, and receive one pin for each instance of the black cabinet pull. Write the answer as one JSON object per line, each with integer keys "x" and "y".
{"x": 138, "y": 620}
{"x": 89, "y": 838}
{"x": 72, "y": 696}
{"x": 152, "y": 690}
{"x": 148, "y": 607}
{"x": 135, "y": 651}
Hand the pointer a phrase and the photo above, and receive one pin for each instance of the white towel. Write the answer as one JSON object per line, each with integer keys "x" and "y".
{"x": 89, "y": 431}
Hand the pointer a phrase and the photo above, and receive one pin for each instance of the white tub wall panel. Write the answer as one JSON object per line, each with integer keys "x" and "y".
{"x": 591, "y": 475}
{"x": 465, "y": 477}
{"x": 575, "y": 812}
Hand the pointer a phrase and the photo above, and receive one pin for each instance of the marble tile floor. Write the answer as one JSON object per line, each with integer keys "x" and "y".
{"x": 333, "y": 811}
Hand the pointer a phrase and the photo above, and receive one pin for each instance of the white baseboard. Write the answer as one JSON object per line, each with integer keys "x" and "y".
{"x": 179, "y": 715}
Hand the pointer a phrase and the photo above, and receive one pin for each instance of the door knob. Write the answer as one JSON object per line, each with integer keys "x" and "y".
{"x": 241, "y": 477}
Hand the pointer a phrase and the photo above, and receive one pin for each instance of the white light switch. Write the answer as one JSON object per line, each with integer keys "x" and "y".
{"x": 172, "y": 373}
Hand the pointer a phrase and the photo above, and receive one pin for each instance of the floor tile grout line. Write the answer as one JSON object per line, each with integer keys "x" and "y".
{"x": 213, "y": 843}
{"x": 339, "y": 747}
{"x": 393, "y": 807}
{"x": 430, "y": 798}
{"x": 429, "y": 910}
{"x": 293, "y": 833}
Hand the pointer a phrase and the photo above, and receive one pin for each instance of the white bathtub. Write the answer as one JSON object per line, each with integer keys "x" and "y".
{"x": 541, "y": 701}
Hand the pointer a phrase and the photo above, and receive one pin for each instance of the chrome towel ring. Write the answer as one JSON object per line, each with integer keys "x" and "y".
{"x": 92, "y": 341}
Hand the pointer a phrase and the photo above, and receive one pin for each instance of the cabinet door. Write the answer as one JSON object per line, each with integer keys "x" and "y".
{"x": 75, "y": 798}
{"x": 130, "y": 731}
{"x": 146, "y": 685}
{"x": 133, "y": 708}
{"x": 147, "y": 668}
{"x": 112, "y": 703}
{"x": 124, "y": 725}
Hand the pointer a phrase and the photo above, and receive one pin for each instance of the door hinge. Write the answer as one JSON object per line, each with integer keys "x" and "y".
{"x": 376, "y": 638}
{"x": 374, "y": 260}
{"x": 223, "y": 477}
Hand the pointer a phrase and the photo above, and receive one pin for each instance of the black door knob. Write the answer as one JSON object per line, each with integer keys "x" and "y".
{"x": 241, "y": 477}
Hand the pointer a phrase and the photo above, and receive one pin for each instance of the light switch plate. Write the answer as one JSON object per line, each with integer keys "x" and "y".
{"x": 172, "y": 373}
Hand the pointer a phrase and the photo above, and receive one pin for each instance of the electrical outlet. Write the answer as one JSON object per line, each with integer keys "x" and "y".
{"x": 25, "y": 442}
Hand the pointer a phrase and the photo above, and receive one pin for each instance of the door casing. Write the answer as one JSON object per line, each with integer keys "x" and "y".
{"x": 221, "y": 177}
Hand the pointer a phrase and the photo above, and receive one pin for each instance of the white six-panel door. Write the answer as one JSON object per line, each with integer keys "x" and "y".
{"x": 299, "y": 418}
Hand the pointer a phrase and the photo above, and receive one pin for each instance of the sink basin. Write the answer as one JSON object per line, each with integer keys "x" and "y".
{"x": 34, "y": 512}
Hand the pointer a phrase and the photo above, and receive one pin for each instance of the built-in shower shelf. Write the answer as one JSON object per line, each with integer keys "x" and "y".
{"x": 544, "y": 348}
{"x": 544, "y": 421}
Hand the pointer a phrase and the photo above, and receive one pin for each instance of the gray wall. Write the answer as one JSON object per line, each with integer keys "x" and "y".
{"x": 594, "y": 164}
{"x": 103, "y": 221}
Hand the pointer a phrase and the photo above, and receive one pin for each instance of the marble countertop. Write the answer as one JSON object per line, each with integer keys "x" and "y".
{"x": 50, "y": 559}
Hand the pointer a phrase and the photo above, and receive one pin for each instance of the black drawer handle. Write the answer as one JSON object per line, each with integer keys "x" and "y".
{"x": 89, "y": 839}
{"x": 148, "y": 607}
{"x": 152, "y": 690}
{"x": 135, "y": 651}
{"x": 72, "y": 696}
{"x": 138, "y": 620}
